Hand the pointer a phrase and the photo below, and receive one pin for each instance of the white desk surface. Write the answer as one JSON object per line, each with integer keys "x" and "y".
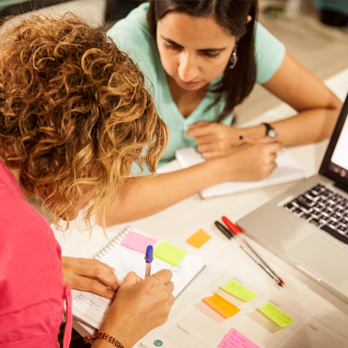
{"x": 180, "y": 221}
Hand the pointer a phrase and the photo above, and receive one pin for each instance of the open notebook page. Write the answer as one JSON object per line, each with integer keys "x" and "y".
{"x": 91, "y": 309}
{"x": 288, "y": 170}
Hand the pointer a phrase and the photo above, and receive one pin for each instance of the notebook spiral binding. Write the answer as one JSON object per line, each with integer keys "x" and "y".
{"x": 115, "y": 241}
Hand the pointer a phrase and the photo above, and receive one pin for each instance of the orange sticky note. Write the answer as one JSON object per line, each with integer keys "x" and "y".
{"x": 199, "y": 238}
{"x": 222, "y": 306}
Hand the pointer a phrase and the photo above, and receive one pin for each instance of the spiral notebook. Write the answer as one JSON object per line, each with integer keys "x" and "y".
{"x": 287, "y": 170}
{"x": 91, "y": 309}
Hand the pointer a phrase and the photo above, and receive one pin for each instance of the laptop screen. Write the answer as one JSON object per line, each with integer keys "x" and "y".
{"x": 339, "y": 159}
{"x": 335, "y": 163}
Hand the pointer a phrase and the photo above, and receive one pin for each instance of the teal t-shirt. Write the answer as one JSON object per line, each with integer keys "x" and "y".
{"x": 132, "y": 36}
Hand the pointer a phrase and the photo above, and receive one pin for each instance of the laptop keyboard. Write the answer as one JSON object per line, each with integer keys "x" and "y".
{"x": 323, "y": 208}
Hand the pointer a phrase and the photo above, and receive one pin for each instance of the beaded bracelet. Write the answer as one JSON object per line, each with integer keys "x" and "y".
{"x": 104, "y": 336}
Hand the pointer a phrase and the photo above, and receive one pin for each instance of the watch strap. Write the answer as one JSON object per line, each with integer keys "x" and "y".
{"x": 270, "y": 131}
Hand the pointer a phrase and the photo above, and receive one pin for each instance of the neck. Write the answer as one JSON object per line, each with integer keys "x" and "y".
{"x": 186, "y": 101}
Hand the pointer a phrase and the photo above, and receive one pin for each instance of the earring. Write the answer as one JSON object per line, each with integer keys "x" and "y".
{"x": 234, "y": 58}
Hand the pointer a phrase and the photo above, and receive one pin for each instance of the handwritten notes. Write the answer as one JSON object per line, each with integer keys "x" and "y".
{"x": 222, "y": 306}
{"x": 276, "y": 315}
{"x": 199, "y": 238}
{"x": 234, "y": 339}
{"x": 239, "y": 291}
{"x": 169, "y": 253}
{"x": 137, "y": 241}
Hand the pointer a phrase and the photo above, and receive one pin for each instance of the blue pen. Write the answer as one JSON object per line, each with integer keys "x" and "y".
{"x": 148, "y": 260}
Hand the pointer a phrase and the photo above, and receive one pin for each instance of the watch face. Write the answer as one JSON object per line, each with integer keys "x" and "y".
{"x": 272, "y": 133}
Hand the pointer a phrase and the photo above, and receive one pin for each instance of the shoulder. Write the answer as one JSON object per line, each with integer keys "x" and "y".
{"x": 19, "y": 220}
{"x": 31, "y": 302}
{"x": 27, "y": 241}
{"x": 132, "y": 36}
{"x": 137, "y": 16}
{"x": 269, "y": 53}
{"x": 264, "y": 38}
{"x": 133, "y": 30}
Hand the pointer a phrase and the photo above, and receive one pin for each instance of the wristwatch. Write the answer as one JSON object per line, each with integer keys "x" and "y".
{"x": 270, "y": 131}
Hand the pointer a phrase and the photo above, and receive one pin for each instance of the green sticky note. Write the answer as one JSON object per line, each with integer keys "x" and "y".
{"x": 276, "y": 315}
{"x": 169, "y": 253}
{"x": 239, "y": 291}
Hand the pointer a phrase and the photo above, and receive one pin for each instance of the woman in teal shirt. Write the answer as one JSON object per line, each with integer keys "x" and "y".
{"x": 201, "y": 59}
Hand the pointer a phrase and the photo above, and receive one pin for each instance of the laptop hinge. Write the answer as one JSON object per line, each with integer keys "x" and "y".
{"x": 341, "y": 187}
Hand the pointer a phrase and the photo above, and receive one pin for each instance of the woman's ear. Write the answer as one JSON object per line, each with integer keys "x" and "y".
{"x": 249, "y": 18}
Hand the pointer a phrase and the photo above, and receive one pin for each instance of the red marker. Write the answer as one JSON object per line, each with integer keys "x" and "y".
{"x": 235, "y": 230}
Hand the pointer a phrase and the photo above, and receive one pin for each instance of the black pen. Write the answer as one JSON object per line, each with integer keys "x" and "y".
{"x": 223, "y": 229}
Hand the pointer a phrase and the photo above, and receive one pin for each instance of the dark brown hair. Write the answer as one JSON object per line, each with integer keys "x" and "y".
{"x": 74, "y": 113}
{"x": 236, "y": 83}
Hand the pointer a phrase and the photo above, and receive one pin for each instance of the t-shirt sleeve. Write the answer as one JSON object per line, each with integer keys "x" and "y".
{"x": 269, "y": 54}
{"x": 131, "y": 35}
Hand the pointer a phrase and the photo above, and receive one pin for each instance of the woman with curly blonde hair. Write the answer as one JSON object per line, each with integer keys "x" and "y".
{"x": 74, "y": 116}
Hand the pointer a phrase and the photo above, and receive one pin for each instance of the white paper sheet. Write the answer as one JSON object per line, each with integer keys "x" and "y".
{"x": 288, "y": 170}
{"x": 200, "y": 326}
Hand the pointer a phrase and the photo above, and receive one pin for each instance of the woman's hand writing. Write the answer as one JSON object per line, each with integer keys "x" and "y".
{"x": 139, "y": 306}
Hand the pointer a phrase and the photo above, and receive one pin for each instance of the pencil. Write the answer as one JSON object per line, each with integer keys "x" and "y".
{"x": 236, "y": 231}
{"x": 275, "y": 278}
{"x": 249, "y": 141}
{"x": 264, "y": 262}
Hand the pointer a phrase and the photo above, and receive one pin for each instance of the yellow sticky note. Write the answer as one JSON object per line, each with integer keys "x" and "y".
{"x": 199, "y": 238}
{"x": 276, "y": 315}
{"x": 169, "y": 253}
{"x": 239, "y": 291}
{"x": 222, "y": 306}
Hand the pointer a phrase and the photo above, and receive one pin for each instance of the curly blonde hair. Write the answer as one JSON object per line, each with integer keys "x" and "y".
{"x": 74, "y": 114}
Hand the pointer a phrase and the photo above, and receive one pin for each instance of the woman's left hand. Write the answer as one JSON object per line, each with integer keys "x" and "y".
{"x": 90, "y": 275}
{"x": 214, "y": 139}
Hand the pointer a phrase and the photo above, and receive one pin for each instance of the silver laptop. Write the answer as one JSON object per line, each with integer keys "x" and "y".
{"x": 307, "y": 226}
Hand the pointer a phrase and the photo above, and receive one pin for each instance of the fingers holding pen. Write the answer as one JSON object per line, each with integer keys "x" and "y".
{"x": 139, "y": 306}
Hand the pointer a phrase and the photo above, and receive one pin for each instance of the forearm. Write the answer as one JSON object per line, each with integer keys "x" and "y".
{"x": 317, "y": 106}
{"x": 306, "y": 127}
{"x": 143, "y": 196}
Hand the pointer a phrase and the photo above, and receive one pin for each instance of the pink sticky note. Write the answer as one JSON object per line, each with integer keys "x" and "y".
{"x": 137, "y": 241}
{"x": 235, "y": 339}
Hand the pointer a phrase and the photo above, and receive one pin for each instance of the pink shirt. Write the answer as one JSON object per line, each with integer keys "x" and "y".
{"x": 31, "y": 290}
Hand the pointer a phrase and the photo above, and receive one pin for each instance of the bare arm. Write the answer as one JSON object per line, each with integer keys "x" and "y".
{"x": 317, "y": 106}
{"x": 143, "y": 196}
